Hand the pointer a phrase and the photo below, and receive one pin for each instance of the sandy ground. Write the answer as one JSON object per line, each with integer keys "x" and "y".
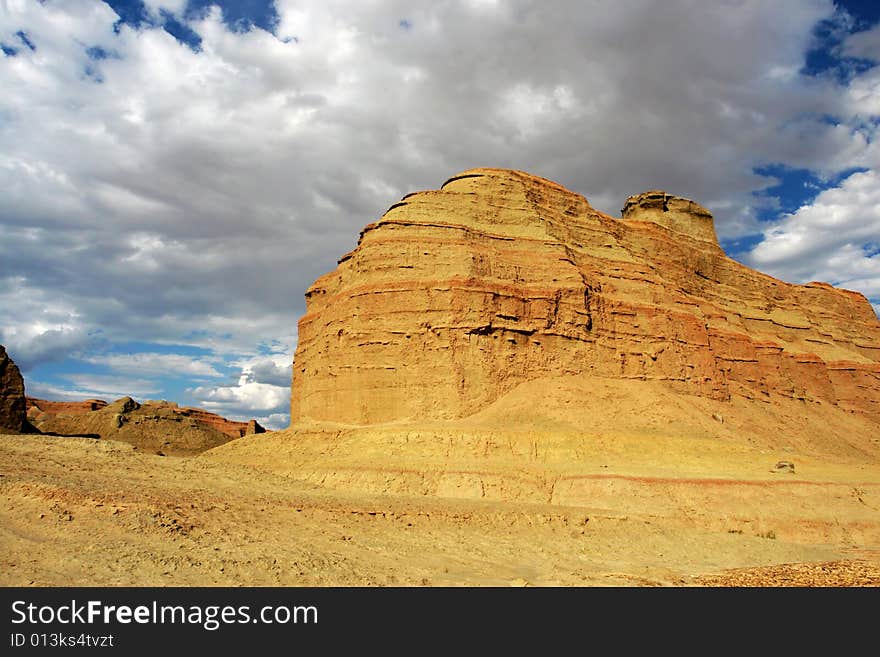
{"x": 84, "y": 512}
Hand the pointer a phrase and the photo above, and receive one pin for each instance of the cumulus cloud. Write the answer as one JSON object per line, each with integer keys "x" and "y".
{"x": 864, "y": 44}
{"x": 243, "y": 398}
{"x": 166, "y": 194}
{"x": 156, "y": 7}
{"x": 275, "y": 369}
{"x": 262, "y": 391}
{"x": 275, "y": 420}
{"x": 835, "y": 239}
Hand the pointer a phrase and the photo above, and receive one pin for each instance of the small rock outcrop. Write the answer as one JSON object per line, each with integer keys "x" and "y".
{"x": 13, "y": 406}
{"x": 673, "y": 212}
{"x": 123, "y": 406}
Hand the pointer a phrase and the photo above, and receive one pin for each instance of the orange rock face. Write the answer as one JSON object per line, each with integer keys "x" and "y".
{"x": 35, "y": 405}
{"x": 229, "y": 427}
{"x": 456, "y": 296}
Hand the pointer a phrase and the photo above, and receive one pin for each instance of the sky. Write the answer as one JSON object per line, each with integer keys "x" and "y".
{"x": 175, "y": 173}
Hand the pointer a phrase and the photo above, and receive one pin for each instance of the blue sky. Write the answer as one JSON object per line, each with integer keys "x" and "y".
{"x": 176, "y": 173}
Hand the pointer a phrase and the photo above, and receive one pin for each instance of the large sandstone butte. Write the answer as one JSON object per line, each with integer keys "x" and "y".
{"x": 12, "y": 399}
{"x": 458, "y": 296}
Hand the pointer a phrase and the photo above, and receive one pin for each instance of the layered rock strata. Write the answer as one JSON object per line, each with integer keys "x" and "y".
{"x": 456, "y": 296}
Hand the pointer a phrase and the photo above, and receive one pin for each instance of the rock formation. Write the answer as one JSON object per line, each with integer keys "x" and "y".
{"x": 229, "y": 427}
{"x": 43, "y": 412}
{"x": 457, "y": 296}
{"x": 12, "y": 398}
{"x": 159, "y": 426}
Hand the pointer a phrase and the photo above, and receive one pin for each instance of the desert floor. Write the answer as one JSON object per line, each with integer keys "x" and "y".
{"x": 88, "y": 512}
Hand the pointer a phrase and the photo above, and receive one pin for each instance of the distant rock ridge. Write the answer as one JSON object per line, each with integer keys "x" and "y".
{"x": 159, "y": 426}
{"x": 456, "y": 296}
{"x": 38, "y": 408}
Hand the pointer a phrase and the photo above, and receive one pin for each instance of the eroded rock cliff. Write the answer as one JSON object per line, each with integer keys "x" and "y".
{"x": 456, "y": 296}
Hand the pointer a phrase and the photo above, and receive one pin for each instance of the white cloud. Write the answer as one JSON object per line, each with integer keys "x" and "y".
{"x": 864, "y": 96}
{"x": 833, "y": 239}
{"x": 864, "y": 44}
{"x": 94, "y": 386}
{"x": 243, "y": 398}
{"x": 262, "y": 391}
{"x": 55, "y": 392}
{"x": 156, "y": 364}
{"x": 155, "y": 7}
{"x": 275, "y": 369}
{"x": 275, "y": 420}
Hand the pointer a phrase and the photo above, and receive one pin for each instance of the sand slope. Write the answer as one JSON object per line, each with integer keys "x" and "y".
{"x": 642, "y": 493}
